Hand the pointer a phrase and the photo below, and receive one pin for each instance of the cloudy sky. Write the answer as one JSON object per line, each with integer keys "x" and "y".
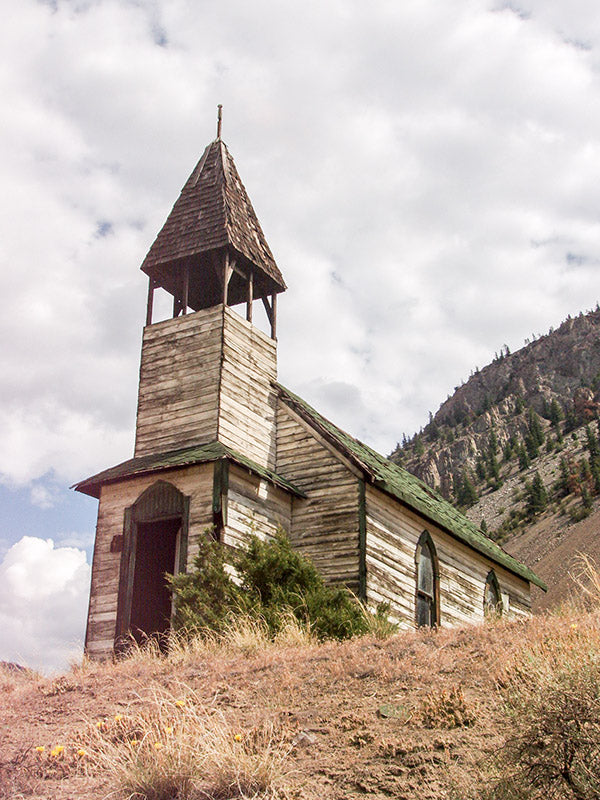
{"x": 426, "y": 175}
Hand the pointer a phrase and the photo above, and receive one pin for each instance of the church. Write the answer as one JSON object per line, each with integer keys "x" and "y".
{"x": 223, "y": 449}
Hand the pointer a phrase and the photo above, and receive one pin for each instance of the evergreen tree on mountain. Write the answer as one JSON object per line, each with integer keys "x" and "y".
{"x": 535, "y": 428}
{"x": 464, "y": 490}
{"x": 555, "y": 413}
{"x": 537, "y": 496}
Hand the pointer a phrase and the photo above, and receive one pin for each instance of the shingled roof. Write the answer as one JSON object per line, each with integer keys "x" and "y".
{"x": 182, "y": 457}
{"x": 212, "y": 213}
{"x": 401, "y": 484}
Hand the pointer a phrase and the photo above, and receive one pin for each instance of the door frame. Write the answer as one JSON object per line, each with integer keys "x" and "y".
{"x": 160, "y": 501}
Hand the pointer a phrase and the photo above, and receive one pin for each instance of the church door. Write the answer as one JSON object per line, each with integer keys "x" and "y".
{"x": 154, "y": 543}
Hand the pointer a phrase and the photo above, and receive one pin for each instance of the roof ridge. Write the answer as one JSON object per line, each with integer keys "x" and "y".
{"x": 199, "y": 166}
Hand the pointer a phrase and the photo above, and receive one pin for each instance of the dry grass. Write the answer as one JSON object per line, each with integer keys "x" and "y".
{"x": 586, "y": 577}
{"x": 243, "y": 635}
{"x": 169, "y": 746}
{"x": 418, "y": 715}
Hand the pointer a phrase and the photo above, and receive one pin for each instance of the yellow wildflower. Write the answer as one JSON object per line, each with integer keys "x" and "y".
{"x": 238, "y": 737}
{"x": 574, "y": 626}
{"x": 40, "y": 749}
{"x": 101, "y": 724}
{"x": 169, "y": 730}
{"x": 56, "y": 751}
{"x": 81, "y": 752}
{"x": 158, "y": 745}
{"x": 118, "y": 717}
{"x": 180, "y": 703}
{"x": 134, "y": 742}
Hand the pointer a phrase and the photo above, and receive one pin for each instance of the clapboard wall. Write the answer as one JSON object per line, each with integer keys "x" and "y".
{"x": 393, "y": 532}
{"x": 254, "y": 507}
{"x": 196, "y": 482}
{"x": 247, "y": 399}
{"x": 207, "y": 377}
{"x": 324, "y": 526}
{"x": 178, "y": 400}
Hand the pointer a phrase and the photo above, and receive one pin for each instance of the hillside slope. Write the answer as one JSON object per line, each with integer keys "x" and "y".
{"x": 415, "y": 716}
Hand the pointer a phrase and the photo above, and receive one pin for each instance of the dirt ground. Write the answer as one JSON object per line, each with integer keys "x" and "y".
{"x": 407, "y": 718}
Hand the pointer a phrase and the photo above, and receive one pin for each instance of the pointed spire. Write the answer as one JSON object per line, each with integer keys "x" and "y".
{"x": 212, "y": 248}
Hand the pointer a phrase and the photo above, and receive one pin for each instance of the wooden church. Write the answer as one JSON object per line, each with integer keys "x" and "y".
{"x": 221, "y": 446}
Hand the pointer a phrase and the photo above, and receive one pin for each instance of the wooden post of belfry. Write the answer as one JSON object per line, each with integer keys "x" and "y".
{"x": 227, "y": 269}
{"x": 273, "y": 316}
{"x": 150, "y": 303}
{"x": 186, "y": 288}
{"x": 250, "y": 297}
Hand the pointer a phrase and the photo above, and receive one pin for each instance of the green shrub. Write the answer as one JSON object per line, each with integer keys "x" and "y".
{"x": 206, "y": 597}
{"x": 273, "y": 580}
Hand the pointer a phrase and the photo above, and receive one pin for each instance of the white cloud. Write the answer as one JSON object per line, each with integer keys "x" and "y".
{"x": 42, "y": 496}
{"x": 425, "y": 174}
{"x": 43, "y": 604}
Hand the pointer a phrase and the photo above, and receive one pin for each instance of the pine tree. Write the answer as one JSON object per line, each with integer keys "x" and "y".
{"x": 493, "y": 443}
{"x": 531, "y": 446}
{"x": 535, "y": 427}
{"x": 555, "y": 414}
{"x": 467, "y": 494}
{"x": 524, "y": 460}
{"x": 592, "y": 443}
{"x": 595, "y": 472}
{"x": 537, "y": 496}
{"x": 568, "y": 483}
{"x": 494, "y": 469}
{"x": 585, "y": 473}
{"x": 571, "y": 420}
{"x": 480, "y": 469}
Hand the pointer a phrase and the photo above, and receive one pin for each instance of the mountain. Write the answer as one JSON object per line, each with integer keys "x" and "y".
{"x": 517, "y": 448}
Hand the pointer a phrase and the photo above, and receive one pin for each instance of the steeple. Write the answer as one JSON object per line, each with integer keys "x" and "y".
{"x": 211, "y": 249}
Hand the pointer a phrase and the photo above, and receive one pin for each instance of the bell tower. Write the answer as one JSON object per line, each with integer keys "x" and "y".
{"x": 211, "y": 250}
{"x": 206, "y": 374}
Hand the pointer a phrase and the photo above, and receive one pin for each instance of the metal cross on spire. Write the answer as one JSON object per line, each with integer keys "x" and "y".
{"x": 219, "y": 119}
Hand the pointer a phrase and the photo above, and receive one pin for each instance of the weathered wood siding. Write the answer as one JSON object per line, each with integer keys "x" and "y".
{"x": 393, "y": 532}
{"x": 254, "y": 506}
{"x": 195, "y": 482}
{"x": 325, "y": 525}
{"x": 179, "y": 382}
{"x": 247, "y": 400}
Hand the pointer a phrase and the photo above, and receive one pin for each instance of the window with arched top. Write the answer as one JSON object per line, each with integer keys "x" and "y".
{"x": 427, "y": 583}
{"x": 492, "y": 599}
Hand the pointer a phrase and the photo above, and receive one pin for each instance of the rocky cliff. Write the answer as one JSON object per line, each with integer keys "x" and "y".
{"x": 557, "y": 374}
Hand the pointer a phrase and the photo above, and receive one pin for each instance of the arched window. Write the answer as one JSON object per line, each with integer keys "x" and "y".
{"x": 427, "y": 582}
{"x": 492, "y": 599}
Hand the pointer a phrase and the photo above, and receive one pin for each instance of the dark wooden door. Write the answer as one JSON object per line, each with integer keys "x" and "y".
{"x": 155, "y": 553}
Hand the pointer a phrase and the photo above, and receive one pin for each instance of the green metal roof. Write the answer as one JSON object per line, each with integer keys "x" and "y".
{"x": 397, "y": 482}
{"x": 184, "y": 457}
